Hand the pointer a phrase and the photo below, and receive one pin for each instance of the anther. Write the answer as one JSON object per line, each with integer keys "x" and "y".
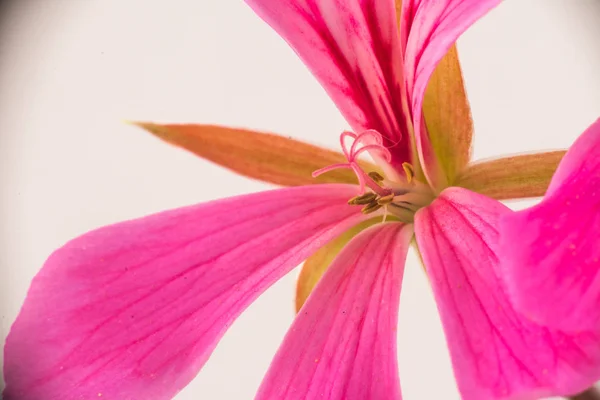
{"x": 371, "y": 207}
{"x": 362, "y": 199}
{"x": 376, "y": 176}
{"x": 384, "y": 200}
{"x": 409, "y": 170}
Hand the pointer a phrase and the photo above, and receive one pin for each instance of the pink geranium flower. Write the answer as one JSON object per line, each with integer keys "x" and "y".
{"x": 134, "y": 310}
{"x": 552, "y": 266}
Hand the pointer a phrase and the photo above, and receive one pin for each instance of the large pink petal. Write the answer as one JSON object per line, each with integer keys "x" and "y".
{"x": 342, "y": 345}
{"x": 496, "y": 352}
{"x": 428, "y": 29}
{"x": 353, "y": 48}
{"x": 551, "y": 251}
{"x": 133, "y": 310}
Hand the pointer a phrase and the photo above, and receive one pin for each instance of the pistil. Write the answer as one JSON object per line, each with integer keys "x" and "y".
{"x": 400, "y": 199}
{"x": 352, "y": 154}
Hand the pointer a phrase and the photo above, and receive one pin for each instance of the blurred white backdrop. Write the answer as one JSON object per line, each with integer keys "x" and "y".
{"x": 72, "y": 70}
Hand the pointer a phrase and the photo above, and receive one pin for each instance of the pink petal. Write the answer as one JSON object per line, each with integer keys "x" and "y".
{"x": 342, "y": 345}
{"x": 428, "y": 29}
{"x": 353, "y": 48}
{"x": 496, "y": 352}
{"x": 133, "y": 310}
{"x": 552, "y": 257}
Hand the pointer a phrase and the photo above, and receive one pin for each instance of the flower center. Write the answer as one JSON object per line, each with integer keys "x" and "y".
{"x": 378, "y": 194}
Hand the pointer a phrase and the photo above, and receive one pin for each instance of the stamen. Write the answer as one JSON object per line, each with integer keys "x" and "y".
{"x": 409, "y": 170}
{"x": 368, "y": 209}
{"x": 376, "y": 176}
{"x": 363, "y": 199}
{"x": 402, "y": 199}
{"x": 384, "y": 200}
{"x": 385, "y": 214}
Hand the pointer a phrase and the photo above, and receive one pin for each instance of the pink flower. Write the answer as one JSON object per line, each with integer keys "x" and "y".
{"x": 134, "y": 310}
{"x": 552, "y": 268}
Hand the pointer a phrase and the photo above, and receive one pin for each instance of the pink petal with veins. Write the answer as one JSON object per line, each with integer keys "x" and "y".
{"x": 496, "y": 352}
{"x": 552, "y": 262}
{"x": 428, "y": 29}
{"x": 342, "y": 345}
{"x": 133, "y": 310}
{"x": 353, "y": 48}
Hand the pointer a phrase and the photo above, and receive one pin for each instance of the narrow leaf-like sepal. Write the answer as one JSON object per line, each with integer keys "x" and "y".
{"x": 447, "y": 116}
{"x": 263, "y": 156}
{"x": 428, "y": 30}
{"x": 515, "y": 177}
{"x": 316, "y": 265}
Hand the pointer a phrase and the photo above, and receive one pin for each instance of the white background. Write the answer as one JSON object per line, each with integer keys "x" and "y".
{"x": 72, "y": 70}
